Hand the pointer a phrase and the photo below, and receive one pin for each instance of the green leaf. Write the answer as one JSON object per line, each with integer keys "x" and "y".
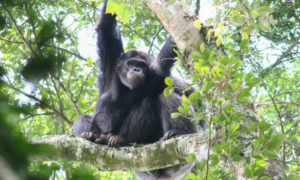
{"x": 254, "y": 13}
{"x": 196, "y": 55}
{"x": 264, "y": 178}
{"x": 236, "y": 117}
{"x": 214, "y": 160}
{"x": 125, "y": 15}
{"x": 198, "y": 24}
{"x": 191, "y": 157}
{"x": 89, "y": 61}
{"x": 265, "y": 9}
{"x": 271, "y": 154}
{"x": 202, "y": 48}
{"x": 261, "y": 163}
{"x": 84, "y": 101}
{"x": 251, "y": 80}
{"x": 218, "y": 41}
{"x": 175, "y": 115}
{"x": 229, "y": 108}
{"x": 276, "y": 141}
{"x": 217, "y": 148}
{"x": 185, "y": 99}
{"x": 194, "y": 97}
{"x": 120, "y": 9}
{"x": 245, "y": 36}
{"x": 234, "y": 127}
{"x": 181, "y": 110}
{"x": 237, "y": 158}
{"x": 244, "y": 43}
{"x": 168, "y": 91}
{"x": 243, "y": 96}
{"x": 235, "y": 151}
{"x": 293, "y": 177}
{"x": 169, "y": 81}
{"x": 263, "y": 126}
{"x": 259, "y": 171}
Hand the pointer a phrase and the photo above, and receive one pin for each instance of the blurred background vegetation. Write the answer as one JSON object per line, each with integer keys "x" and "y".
{"x": 46, "y": 81}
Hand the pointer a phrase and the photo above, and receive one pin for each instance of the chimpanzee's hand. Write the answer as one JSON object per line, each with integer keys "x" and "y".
{"x": 89, "y": 136}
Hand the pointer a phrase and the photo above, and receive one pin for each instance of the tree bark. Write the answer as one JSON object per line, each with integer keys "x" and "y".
{"x": 179, "y": 23}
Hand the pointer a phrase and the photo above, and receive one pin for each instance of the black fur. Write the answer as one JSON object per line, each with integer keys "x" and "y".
{"x": 131, "y": 106}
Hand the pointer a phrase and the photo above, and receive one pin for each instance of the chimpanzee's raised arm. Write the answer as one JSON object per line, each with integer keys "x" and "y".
{"x": 109, "y": 42}
{"x": 166, "y": 58}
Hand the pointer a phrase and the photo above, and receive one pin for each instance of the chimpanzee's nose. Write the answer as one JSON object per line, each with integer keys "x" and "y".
{"x": 138, "y": 70}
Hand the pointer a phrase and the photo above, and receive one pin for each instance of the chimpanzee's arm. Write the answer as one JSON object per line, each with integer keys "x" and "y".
{"x": 165, "y": 59}
{"x": 161, "y": 65}
{"x": 109, "y": 43}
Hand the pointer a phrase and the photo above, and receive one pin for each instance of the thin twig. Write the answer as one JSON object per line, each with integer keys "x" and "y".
{"x": 33, "y": 115}
{"x": 57, "y": 94}
{"x": 154, "y": 37}
{"x": 293, "y": 126}
{"x": 71, "y": 73}
{"x": 70, "y": 52}
{"x": 11, "y": 41}
{"x": 81, "y": 88}
{"x": 69, "y": 95}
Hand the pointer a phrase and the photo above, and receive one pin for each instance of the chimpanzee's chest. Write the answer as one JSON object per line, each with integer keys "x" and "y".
{"x": 142, "y": 123}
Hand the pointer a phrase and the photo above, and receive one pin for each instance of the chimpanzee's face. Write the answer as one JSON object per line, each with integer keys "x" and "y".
{"x": 133, "y": 68}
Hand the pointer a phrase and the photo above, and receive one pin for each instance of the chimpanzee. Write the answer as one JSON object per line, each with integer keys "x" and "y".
{"x": 131, "y": 106}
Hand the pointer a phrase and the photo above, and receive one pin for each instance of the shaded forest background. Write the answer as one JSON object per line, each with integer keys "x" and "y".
{"x": 261, "y": 68}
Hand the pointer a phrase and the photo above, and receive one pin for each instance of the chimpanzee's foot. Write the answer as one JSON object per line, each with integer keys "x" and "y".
{"x": 173, "y": 132}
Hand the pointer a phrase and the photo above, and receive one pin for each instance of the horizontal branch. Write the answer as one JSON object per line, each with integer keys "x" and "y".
{"x": 277, "y": 102}
{"x": 142, "y": 158}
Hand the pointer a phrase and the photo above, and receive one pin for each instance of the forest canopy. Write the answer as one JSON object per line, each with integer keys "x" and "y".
{"x": 243, "y": 60}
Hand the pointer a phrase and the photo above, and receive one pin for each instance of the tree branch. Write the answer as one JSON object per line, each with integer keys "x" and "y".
{"x": 197, "y": 11}
{"x": 48, "y": 45}
{"x": 67, "y": 51}
{"x": 155, "y": 156}
{"x": 277, "y": 102}
{"x": 286, "y": 53}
